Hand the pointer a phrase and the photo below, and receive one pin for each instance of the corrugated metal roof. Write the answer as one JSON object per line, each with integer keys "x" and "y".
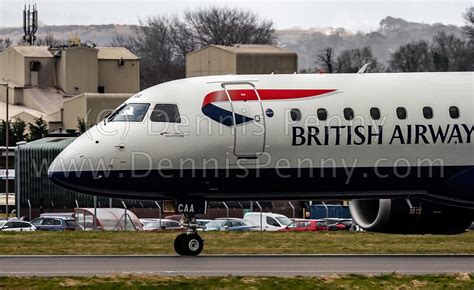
{"x": 33, "y": 51}
{"x": 250, "y": 49}
{"x": 115, "y": 53}
{"x": 49, "y": 143}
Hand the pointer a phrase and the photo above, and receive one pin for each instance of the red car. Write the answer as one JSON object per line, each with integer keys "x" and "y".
{"x": 306, "y": 226}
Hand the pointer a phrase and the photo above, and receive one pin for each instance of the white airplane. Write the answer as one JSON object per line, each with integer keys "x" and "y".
{"x": 399, "y": 145}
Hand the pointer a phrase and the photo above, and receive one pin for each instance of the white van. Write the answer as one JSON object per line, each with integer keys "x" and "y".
{"x": 270, "y": 221}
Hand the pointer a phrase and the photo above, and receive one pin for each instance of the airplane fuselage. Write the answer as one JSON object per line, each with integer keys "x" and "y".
{"x": 283, "y": 137}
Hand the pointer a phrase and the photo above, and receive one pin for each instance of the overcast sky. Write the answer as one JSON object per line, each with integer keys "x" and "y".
{"x": 350, "y": 14}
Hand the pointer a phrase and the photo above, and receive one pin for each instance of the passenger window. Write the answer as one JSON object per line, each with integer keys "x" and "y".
{"x": 133, "y": 112}
{"x": 348, "y": 114}
{"x": 165, "y": 113}
{"x": 295, "y": 114}
{"x": 57, "y": 222}
{"x": 454, "y": 112}
{"x": 427, "y": 112}
{"x": 48, "y": 222}
{"x": 401, "y": 113}
{"x": 271, "y": 221}
{"x": 322, "y": 114}
{"x": 375, "y": 113}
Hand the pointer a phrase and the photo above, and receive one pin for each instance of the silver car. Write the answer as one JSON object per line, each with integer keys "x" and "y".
{"x": 16, "y": 226}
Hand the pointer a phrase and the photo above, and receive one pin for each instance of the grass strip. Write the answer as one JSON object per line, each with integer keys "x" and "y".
{"x": 122, "y": 243}
{"x": 393, "y": 281}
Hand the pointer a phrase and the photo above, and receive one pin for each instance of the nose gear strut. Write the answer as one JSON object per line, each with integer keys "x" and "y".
{"x": 189, "y": 243}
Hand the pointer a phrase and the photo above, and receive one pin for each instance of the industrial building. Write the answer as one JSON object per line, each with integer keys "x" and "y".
{"x": 240, "y": 59}
{"x": 42, "y": 80}
{"x": 61, "y": 85}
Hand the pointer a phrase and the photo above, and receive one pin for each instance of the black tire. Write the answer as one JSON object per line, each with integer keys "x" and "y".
{"x": 191, "y": 244}
{"x": 179, "y": 244}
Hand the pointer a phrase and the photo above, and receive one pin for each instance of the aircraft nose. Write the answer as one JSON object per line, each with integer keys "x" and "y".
{"x": 63, "y": 168}
{"x": 82, "y": 165}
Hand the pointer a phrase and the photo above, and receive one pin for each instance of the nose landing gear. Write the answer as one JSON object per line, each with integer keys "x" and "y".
{"x": 189, "y": 243}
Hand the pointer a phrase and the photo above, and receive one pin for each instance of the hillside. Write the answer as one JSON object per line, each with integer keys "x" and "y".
{"x": 101, "y": 35}
{"x": 391, "y": 33}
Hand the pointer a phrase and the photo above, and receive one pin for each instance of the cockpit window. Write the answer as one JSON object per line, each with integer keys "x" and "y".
{"x": 133, "y": 112}
{"x": 165, "y": 113}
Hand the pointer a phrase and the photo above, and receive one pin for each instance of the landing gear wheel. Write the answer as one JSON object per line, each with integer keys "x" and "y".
{"x": 179, "y": 244}
{"x": 194, "y": 244}
{"x": 188, "y": 244}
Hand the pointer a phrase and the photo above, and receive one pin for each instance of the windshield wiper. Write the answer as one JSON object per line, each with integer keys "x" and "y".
{"x": 113, "y": 113}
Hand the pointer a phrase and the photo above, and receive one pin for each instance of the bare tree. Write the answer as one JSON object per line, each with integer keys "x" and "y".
{"x": 450, "y": 53}
{"x": 127, "y": 41}
{"x": 227, "y": 26}
{"x": 469, "y": 28}
{"x": 162, "y": 43}
{"x": 160, "y": 61}
{"x": 4, "y": 43}
{"x": 162, "y": 56}
{"x": 412, "y": 57}
{"x": 469, "y": 33}
{"x": 325, "y": 58}
{"x": 184, "y": 39}
{"x": 352, "y": 60}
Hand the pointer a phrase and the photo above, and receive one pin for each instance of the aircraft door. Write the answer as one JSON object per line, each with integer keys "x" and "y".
{"x": 248, "y": 119}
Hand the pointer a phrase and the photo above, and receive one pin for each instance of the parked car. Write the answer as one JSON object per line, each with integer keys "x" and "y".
{"x": 307, "y": 226}
{"x": 56, "y": 214}
{"x": 164, "y": 224}
{"x": 239, "y": 225}
{"x": 148, "y": 220}
{"x": 203, "y": 222}
{"x": 270, "y": 221}
{"x": 347, "y": 224}
{"x": 175, "y": 217}
{"x": 339, "y": 224}
{"x": 54, "y": 223}
{"x": 16, "y": 226}
{"x": 215, "y": 225}
{"x": 179, "y": 217}
{"x": 231, "y": 225}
